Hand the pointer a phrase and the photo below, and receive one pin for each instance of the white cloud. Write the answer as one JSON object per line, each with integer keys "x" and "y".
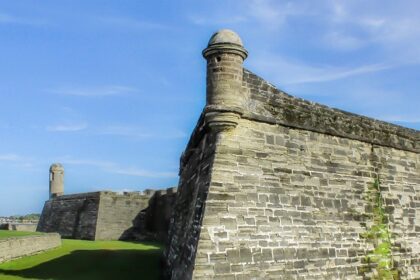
{"x": 21, "y": 189}
{"x": 125, "y": 130}
{"x": 217, "y": 20}
{"x": 110, "y": 90}
{"x": 274, "y": 14}
{"x": 10, "y": 157}
{"x": 129, "y": 131}
{"x": 133, "y": 23}
{"x": 18, "y": 161}
{"x": 296, "y": 72}
{"x": 132, "y": 171}
{"x": 115, "y": 168}
{"x": 138, "y": 132}
{"x": 270, "y": 14}
{"x": 393, "y": 28}
{"x": 67, "y": 127}
{"x": 400, "y": 118}
{"x": 9, "y": 19}
{"x": 344, "y": 42}
{"x": 90, "y": 162}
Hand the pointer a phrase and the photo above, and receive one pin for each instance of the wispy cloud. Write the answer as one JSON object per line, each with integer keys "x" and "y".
{"x": 9, "y": 19}
{"x": 139, "y": 132}
{"x": 115, "y": 168}
{"x": 134, "y": 132}
{"x": 296, "y": 72}
{"x": 132, "y": 171}
{"x": 325, "y": 74}
{"x": 268, "y": 13}
{"x": 400, "y": 118}
{"x": 110, "y": 90}
{"x": 18, "y": 161}
{"x": 126, "y": 22}
{"x": 216, "y": 21}
{"x": 273, "y": 14}
{"x": 90, "y": 162}
{"x": 344, "y": 42}
{"x": 125, "y": 130}
{"x": 392, "y": 29}
{"x": 338, "y": 25}
{"x": 10, "y": 157}
{"x": 67, "y": 127}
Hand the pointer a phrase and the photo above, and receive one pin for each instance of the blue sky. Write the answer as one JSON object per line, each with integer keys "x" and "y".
{"x": 113, "y": 89}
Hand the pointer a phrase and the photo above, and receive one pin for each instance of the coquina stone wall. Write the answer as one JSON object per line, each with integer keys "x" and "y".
{"x": 135, "y": 216}
{"x": 19, "y": 226}
{"x": 184, "y": 231}
{"x": 17, "y": 247}
{"x": 154, "y": 224}
{"x": 116, "y": 213}
{"x": 109, "y": 215}
{"x": 283, "y": 188}
{"x": 72, "y": 216}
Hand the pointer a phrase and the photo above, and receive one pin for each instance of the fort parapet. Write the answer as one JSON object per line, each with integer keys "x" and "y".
{"x": 107, "y": 215}
{"x": 276, "y": 187}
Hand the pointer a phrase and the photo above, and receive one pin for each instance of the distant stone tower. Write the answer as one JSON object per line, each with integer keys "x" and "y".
{"x": 225, "y": 55}
{"x": 56, "y": 180}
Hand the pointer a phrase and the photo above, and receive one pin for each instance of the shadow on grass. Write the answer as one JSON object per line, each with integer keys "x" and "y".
{"x": 97, "y": 264}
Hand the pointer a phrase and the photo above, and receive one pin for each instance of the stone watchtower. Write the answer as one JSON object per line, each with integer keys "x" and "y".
{"x": 225, "y": 55}
{"x": 56, "y": 180}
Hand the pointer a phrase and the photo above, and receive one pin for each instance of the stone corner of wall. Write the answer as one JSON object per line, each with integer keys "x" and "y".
{"x": 195, "y": 138}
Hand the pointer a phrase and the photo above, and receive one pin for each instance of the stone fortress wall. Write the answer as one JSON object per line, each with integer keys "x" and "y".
{"x": 271, "y": 187}
{"x": 109, "y": 215}
{"x": 135, "y": 216}
{"x": 276, "y": 187}
{"x": 72, "y": 216}
{"x": 19, "y": 226}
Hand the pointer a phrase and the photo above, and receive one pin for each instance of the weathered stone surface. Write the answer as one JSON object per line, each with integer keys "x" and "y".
{"x": 186, "y": 220}
{"x": 110, "y": 215}
{"x": 56, "y": 180}
{"x": 31, "y": 227}
{"x": 72, "y": 216}
{"x": 265, "y": 103}
{"x": 17, "y": 247}
{"x": 282, "y": 193}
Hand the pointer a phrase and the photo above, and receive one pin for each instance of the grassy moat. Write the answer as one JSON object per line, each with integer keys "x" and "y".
{"x": 80, "y": 259}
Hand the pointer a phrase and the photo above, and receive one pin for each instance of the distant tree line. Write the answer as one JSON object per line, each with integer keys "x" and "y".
{"x": 32, "y": 217}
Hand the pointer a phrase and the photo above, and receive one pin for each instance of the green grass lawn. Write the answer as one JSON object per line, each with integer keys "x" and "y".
{"x": 79, "y": 259}
{"x": 12, "y": 233}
